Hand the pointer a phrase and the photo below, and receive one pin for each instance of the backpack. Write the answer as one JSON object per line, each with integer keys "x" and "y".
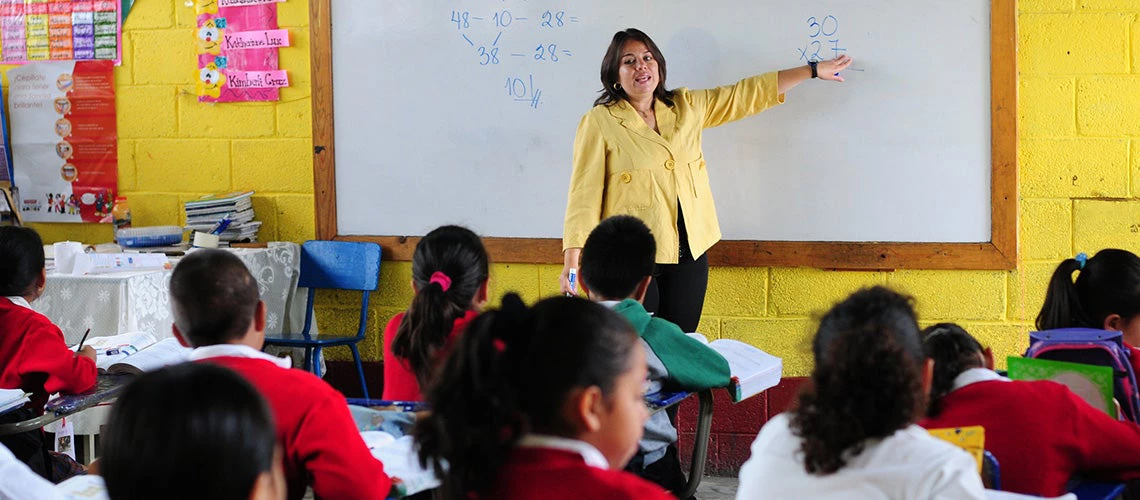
{"x": 1092, "y": 347}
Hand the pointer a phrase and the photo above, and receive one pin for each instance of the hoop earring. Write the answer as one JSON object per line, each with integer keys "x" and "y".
{"x": 617, "y": 86}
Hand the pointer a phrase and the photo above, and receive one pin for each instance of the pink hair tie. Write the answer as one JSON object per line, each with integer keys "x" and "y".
{"x": 442, "y": 279}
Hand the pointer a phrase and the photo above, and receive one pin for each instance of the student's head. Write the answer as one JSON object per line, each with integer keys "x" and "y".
{"x": 215, "y": 301}
{"x": 566, "y": 367}
{"x": 870, "y": 378}
{"x": 1106, "y": 294}
{"x": 191, "y": 431}
{"x": 449, "y": 275}
{"x": 617, "y": 261}
{"x": 21, "y": 262}
{"x": 953, "y": 351}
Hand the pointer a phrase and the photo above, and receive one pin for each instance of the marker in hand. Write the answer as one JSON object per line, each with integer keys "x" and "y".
{"x": 573, "y": 279}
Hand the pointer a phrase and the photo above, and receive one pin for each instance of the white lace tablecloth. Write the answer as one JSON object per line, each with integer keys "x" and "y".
{"x": 115, "y": 303}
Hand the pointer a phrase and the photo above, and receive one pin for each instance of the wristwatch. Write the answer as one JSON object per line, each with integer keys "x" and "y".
{"x": 814, "y": 73}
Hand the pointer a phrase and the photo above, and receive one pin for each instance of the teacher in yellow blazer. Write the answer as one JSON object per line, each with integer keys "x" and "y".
{"x": 638, "y": 152}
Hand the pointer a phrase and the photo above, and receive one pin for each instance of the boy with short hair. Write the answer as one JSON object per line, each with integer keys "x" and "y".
{"x": 217, "y": 310}
{"x": 617, "y": 266}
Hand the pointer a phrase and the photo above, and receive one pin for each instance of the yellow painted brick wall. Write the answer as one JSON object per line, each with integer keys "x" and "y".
{"x": 1079, "y": 165}
{"x": 173, "y": 149}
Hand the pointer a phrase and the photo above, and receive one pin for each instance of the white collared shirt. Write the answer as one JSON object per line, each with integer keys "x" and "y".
{"x": 20, "y": 301}
{"x": 591, "y": 455}
{"x": 975, "y": 375}
{"x": 236, "y": 351}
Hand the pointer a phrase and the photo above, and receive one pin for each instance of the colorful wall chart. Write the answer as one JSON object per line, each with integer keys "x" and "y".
{"x": 237, "y": 50}
{"x": 60, "y": 30}
{"x": 64, "y": 140}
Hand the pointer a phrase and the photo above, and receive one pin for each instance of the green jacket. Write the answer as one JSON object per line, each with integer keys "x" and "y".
{"x": 691, "y": 364}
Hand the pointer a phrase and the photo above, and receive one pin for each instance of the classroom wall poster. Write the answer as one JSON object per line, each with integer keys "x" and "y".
{"x": 60, "y": 30}
{"x": 64, "y": 140}
{"x": 237, "y": 42}
{"x": 5, "y": 151}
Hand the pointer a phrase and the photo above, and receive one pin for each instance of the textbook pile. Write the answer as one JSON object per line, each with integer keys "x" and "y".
{"x": 229, "y": 215}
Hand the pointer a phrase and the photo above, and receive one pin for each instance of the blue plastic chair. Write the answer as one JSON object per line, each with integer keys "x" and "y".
{"x": 335, "y": 265}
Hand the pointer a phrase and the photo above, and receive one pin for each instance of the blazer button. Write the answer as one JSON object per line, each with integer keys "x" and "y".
{"x": 625, "y": 177}
{"x": 702, "y": 167}
{"x": 669, "y": 164}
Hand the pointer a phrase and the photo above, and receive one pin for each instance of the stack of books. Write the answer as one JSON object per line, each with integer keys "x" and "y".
{"x": 206, "y": 215}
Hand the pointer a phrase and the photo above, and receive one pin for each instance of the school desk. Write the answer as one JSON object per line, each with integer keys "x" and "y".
{"x": 105, "y": 390}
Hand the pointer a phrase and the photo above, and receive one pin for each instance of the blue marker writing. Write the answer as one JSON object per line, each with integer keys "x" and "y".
{"x": 573, "y": 279}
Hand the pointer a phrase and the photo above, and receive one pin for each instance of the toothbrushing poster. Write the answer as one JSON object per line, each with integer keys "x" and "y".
{"x": 64, "y": 140}
{"x": 60, "y": 30}
{"x": 237, "y": 50}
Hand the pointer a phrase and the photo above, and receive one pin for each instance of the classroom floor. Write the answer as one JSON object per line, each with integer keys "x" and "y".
{"x": 717, "y": 488}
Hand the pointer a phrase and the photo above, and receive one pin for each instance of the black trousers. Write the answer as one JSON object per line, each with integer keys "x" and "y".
{"x": 677, "y": 291}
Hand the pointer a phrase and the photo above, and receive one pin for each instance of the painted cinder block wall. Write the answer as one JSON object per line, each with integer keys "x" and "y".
{"x": 1079, "y": 169}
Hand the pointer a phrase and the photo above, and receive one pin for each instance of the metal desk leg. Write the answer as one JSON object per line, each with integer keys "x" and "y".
{"x": 700, "y": 444}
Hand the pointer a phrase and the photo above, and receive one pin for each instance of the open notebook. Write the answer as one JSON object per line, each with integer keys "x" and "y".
{"x": 753, "y": 371}
{"x": 12, "y": 398}
{"x": 136, "y": 352}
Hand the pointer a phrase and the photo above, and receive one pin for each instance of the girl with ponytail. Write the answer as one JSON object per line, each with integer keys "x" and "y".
{"x": 545, "y": 402}
{"x": 853, "y": 434}
{"x": 1040, "y": 432}
{"x": 1105, "y": 295}
{"x": 449, "y": 276}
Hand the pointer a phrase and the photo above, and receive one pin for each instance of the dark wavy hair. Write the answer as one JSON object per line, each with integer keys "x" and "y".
{"x": 954, "y": 351}
{"x": 867, "y": 381}
{"x": 611, "y": 62}
{"x": 458, "y": 253}
{"x": 509, "y": 375}
{"x": 1108, "y": 284}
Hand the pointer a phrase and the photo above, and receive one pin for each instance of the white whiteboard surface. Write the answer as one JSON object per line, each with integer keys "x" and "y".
{"x": 427, "y": 134}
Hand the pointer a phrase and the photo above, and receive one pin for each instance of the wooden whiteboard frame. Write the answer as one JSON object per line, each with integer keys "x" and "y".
{"x": 999, "y": 253}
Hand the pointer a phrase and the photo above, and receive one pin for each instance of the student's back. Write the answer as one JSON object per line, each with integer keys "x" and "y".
{"x": 1040, "y": 432}
{"x": 217, "y": 311}
{"x": 33, "y": 355}
{"x": 853, "y": 434}
{"x": 449, "y": 276}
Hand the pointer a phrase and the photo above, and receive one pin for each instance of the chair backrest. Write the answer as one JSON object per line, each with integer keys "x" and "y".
{"x": 344, "y": 265}
{"x": 1092, "y": 347}
{"x": 991, "y": 471}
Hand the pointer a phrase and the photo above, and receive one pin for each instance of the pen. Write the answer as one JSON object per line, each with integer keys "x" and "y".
{"x": 573, "y": 279}
{"x": 222, "y": 224}
{"x": 82, "y": 340}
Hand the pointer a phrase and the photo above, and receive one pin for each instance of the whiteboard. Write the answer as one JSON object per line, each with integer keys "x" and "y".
{"x": 465, "y": 112}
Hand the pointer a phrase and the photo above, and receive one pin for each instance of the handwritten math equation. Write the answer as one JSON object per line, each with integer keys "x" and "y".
{"x": 823, "y": 39}
{"x": 516, "y": 41}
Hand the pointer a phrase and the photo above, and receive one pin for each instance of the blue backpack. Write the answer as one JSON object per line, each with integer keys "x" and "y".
{"x": 1092, "y": 347}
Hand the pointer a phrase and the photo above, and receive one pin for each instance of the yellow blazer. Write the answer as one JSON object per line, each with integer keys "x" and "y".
{"x": 621, "y": 166}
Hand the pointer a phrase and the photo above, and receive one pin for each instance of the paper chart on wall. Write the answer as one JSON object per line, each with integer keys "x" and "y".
{"x": 60, "y": 30}
{"x": 237, "y": 42}
{"x": 64, "y": 140}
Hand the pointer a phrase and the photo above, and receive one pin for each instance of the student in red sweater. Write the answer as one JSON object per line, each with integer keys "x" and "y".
{"x": 1040, "y": 432}
{"x": 218, "y": 312}
{"x": 33, "y": 355}
{"x": 449, "y": 276}
{"x": 1105, "y": 295}
{"x": 544, "y": 402}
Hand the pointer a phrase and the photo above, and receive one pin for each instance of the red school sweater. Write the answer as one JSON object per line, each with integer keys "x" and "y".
{"x": 1042, "y": 434}
{"x": 322, "y": 446}
{"x": 35, "y": 358}
{"x": 553, "y": 474}
{"x": 400, "y": 382}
